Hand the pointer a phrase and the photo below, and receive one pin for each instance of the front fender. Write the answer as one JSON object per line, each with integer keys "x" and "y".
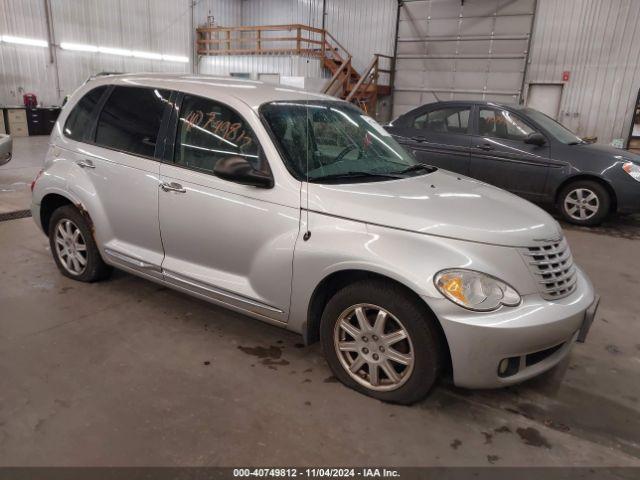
{"x": 411, "y": 259}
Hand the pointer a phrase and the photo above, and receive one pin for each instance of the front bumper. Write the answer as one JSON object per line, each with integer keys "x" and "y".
{"x": 629, "y": 201}
{"x": 538, "y": 334}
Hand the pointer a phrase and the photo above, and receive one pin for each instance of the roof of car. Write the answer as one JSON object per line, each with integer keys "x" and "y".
{"x": 252, "y": 92}
{"x": 474, "y": 102}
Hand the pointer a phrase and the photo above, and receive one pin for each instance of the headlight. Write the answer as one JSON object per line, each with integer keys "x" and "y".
{"x": 633, "y": 170}
{"x": 475, "y": 290}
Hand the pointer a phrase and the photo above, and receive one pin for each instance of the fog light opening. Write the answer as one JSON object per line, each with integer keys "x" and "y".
{"x": 502, "y": 367}
{"x": 508, "y": 366}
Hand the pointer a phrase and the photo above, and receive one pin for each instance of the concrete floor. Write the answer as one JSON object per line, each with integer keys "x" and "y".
{"x": 125, "y": 372}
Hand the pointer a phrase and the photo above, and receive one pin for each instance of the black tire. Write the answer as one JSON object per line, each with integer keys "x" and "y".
{"x": 95, "y": 268}
{"x": 603, "y": 200}
{"x": 417, "y": 321}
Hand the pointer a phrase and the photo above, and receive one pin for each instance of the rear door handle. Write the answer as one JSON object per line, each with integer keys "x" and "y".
{"x": 485, "y": 146}
{"x": 173, "y": 187}
{"x": 86, "y": 163}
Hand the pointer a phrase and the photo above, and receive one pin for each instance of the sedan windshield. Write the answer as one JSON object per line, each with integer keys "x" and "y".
{"x": 334, "y": 142}
{"x": 560, "y": 133}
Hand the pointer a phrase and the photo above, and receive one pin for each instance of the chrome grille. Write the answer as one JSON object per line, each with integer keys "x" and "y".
{"x": 552, "y": 266}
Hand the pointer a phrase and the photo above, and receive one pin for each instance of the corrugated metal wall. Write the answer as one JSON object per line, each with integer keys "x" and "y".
{"x": 164, "y": 26}
{"x": 285, "y": 65}
{"x": 161, "y": 26}
{"x": 453, "y": 50}
{"x": 598, "y": 42}
{"x": 23, "y": 68}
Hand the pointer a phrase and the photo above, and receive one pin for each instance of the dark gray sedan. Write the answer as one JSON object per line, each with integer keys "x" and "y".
{"x": 526, "y": 152}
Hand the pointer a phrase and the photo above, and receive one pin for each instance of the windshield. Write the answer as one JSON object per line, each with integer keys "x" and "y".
{"x": 335, "y": 141}
{"x": 561, "y": 133}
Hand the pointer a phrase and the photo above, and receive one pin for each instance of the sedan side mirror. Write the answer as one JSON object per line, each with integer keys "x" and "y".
{"x": 535, "y": 138}
{"x": 238, "y": 169}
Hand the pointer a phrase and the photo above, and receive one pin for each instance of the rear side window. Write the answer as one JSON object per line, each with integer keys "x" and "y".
{"x": 209, "y": 132}
{"x": 444, "y": 120}
{"x": 130, "y": 120}
{"x": 79, "y": 122}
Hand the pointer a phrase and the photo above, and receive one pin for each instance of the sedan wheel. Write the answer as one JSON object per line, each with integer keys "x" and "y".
{"x": 581, "y": 204}
{"x": 71, "y": 247}
{"x": 584, "y": 202}
{"x": 374, "y": 347}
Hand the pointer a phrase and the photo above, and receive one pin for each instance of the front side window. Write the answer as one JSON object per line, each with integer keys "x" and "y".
{"x": 333, "y": 141}
{"x": 209, "y": 132}
{"x": 444, "y": 120}
{"x": 502, "y": 124}
{"x": 559, "y": 132}
{"x": 79, "y": 121}
{"x": 130, "y": 120}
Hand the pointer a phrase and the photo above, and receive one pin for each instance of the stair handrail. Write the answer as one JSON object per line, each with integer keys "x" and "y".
{"x": 332, "y": 38}
{"x": 336, "y": 76}
{"x": 304, "y": 42}
{"x": 370, "y": 71}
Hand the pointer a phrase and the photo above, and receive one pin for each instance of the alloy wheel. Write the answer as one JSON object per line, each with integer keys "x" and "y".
{"x": 581, "y": 204}
{"x": 71, "y": 247}
{"x": 374, "y": 347}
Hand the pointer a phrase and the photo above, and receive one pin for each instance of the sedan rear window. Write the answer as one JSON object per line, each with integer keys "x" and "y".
{"x": 444, "y": 120}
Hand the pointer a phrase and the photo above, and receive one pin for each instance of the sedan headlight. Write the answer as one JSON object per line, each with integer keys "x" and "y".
{"x": 633, "y": 170}
{"x": 475, "y": 290}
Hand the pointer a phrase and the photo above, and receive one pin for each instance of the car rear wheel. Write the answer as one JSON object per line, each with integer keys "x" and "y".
{"x": 73, "y": 248}
{"x": 584, "y": 202}
{"x": 381, "y": 341}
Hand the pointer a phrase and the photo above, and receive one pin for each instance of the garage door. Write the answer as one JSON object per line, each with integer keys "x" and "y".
{"x": 461, "y": 50}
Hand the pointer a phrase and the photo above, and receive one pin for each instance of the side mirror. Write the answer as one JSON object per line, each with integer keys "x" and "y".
{"x": 535, "y": 138}
{"x": 238, "y": 169}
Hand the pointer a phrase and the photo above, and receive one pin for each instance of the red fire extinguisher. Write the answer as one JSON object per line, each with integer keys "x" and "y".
{"x": 30, "y": 100}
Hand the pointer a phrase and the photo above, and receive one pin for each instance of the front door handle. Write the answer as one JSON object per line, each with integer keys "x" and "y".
{"x": 86, "y": 163}
{"x": 173, "y": 187}
{"x": 485, "y": 146}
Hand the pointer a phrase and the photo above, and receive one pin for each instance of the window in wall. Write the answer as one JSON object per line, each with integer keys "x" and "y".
{"x": 444, "y": 120}
{"x": 502, "y": 124}
{"x": 209, "y": 132}
{"x": 131, "y": 118}
{"x": 79, "y": 120}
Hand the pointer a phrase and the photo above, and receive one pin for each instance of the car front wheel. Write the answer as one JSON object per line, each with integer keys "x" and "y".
{"x": 381, "y": 341}
{"x": 584, "y": 202}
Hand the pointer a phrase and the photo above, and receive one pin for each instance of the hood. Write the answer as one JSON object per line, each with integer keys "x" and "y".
{"x": 440, "y": 203}
{"x": 607, "y": 153}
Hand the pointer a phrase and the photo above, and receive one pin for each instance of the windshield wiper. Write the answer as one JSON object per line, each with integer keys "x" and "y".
{"x": 416, "y": 167}
{"x": 581, "y": 142}
{"x": 337, "y": 176}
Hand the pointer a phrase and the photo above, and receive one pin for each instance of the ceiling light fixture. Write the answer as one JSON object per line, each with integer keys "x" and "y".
{"x": 78, "y": 47}
{"x": 122, "y": 52}
{"x": 33, "y": 42}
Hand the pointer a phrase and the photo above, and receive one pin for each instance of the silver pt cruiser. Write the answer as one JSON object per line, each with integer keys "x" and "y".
{"x": 299, "y": 210}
